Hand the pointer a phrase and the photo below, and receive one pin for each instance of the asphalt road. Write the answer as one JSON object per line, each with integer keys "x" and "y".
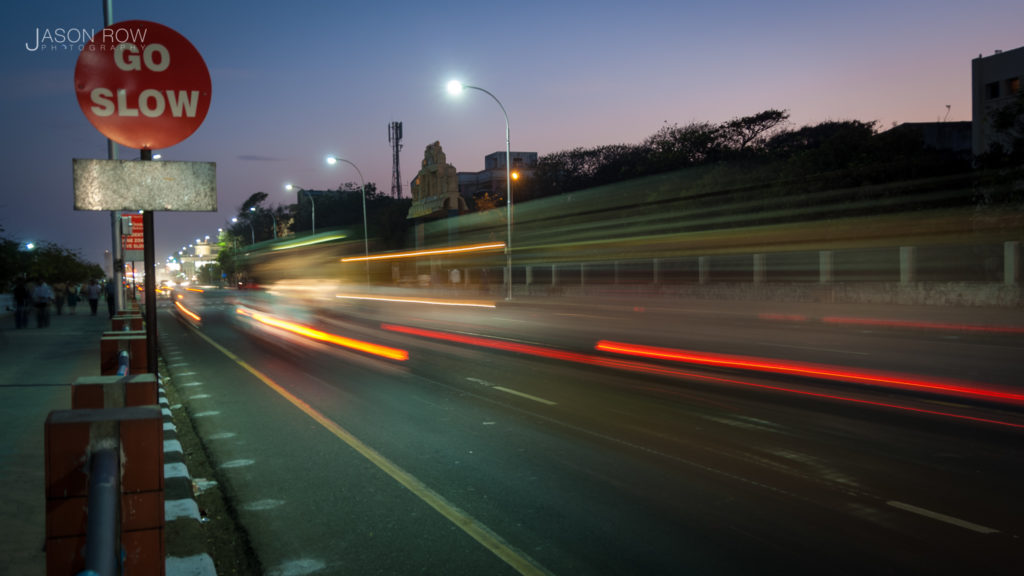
{"x": 505, "y": 444}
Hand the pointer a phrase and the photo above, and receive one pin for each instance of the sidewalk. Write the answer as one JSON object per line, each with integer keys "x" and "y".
{"x": 37, "y": 367}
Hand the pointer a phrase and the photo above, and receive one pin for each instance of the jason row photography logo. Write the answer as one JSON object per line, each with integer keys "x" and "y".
{"x": 70, "y": 38}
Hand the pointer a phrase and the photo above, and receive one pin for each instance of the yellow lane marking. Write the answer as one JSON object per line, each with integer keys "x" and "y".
{"x": 472, "y": 527}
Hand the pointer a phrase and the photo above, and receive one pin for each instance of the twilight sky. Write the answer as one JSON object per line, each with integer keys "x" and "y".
{"x": 294, "y": 81}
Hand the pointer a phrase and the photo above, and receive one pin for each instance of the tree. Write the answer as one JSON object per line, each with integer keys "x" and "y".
{"x": 674, "y": 147}
{"x": 752, "y": 132}
{"x": 51, "y": 261}
{"x": 1007, "y": 147}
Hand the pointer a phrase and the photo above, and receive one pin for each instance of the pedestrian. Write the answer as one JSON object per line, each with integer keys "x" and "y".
{"x": 92, "y": 294}
{"x": 60, "y": 293}
{"x": 22, "y": 303}
{"x": 43, "y": 297}
{"x": 73, "y": 297}
{"x": 111, "y": 297}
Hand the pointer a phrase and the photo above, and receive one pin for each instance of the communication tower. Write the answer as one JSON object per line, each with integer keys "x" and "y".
{"x": 395, "y": 138}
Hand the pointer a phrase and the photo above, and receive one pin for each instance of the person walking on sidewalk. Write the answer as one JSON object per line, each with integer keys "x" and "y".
{"x": 73, "y": 297}
{"x": 111, "y": 297}
{"x": 60, "y": 294}
{"x": 22, "y": 303}
{"x": 92, "y": 294}
{"x": 42, "y": 297}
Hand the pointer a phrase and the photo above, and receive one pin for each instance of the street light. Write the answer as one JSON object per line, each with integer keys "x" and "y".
{"x": 455, "y": 87}
{"x": 298, "y": 191}
{"x": 271, "y": 212}
{"x": 332, "y": 160}
{"x": 251, "y": 229}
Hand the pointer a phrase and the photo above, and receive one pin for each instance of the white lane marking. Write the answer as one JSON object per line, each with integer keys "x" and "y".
{"x": 265, "y": 504}
{"x": 199, "y": 397}
{"x": 942, "y": 517}
{"x": 524, "y": 395}
{"x": 222, "y": 435}
{"x": 237, "y": 463}
{"x": 300, "y": 567}
{"x": 206, "y": 414}
{"x": 480, "y": 382}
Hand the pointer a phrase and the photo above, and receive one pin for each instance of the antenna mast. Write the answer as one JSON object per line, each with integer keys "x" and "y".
{"x": 395, "y": 138}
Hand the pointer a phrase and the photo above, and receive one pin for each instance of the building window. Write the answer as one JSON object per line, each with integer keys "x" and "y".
{"x": 992, "y": 90}
{"x": 1013, "y": 86}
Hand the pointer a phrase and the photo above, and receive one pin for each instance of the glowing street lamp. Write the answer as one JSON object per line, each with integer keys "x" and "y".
{"x": 332, "y": 160}
{"x": 298, "y": 191}
{"x": 455, "y": 87}
{"x": 251, "y": 229}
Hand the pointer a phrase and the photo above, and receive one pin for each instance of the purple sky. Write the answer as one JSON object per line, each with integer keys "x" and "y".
{"x": 295, "y": 81}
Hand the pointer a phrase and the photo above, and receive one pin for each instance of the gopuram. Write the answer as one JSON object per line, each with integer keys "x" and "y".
{"x": 435, "y": 191}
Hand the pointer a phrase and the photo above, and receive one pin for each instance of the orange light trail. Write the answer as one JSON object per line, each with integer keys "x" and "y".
{"x": 191, "y": 289}
{"x": 633, "y": 366}
{"x": 188, "y": 312}
{"x": 456, "y": 250}
{"x": 434, "y": 301}
{"x": 314, "y": 334}
{"x": 810, "y": 370}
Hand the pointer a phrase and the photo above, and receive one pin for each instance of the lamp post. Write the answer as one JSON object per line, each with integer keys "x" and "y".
{"x": 298, "y": 191}
{"x": 455, "y": 87}
{"x": 251, "y": 229}
{"x": 332, "y": 160}
{"x": 271, "y": 212}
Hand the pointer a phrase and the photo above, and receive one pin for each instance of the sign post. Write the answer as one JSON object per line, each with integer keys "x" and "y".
{"x": 144, "y": 86}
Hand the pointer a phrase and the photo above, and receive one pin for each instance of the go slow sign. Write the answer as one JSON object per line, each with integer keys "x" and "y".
{"x": 142, "y": 84}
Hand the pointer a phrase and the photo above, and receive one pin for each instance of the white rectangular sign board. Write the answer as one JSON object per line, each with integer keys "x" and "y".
{"x": 145, "y": 185}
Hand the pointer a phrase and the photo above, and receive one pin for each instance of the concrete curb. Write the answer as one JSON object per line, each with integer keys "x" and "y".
{"x": 180, "y": 505}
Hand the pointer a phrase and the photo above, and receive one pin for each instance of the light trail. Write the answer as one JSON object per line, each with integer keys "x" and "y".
{"x": 874, "y": 378}
{"x": 633, "y": 366}
{"x": 181, "y": 307}
{"x": 319, "y": 335}
{"x": 434, "y": 301}
{"x": 494, "y": 246}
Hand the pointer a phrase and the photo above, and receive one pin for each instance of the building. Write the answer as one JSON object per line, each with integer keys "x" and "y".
{"x": 951, "y": 136}
{"x": 491, "y": 181}
{"x": 995, "y": 82}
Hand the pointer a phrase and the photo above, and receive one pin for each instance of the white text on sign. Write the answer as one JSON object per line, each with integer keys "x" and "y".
{"x": 151, "y": 103}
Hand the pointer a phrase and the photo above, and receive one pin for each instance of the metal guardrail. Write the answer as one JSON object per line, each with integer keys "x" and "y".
{"x": 123, "y": 362}
{"x": 103, "y": 537}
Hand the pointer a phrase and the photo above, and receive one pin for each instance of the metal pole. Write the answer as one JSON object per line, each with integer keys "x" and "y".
{"x": 508, "y": 192}
{"x": 313, "y": 205}
{"x": 149, "y": 285}
{"x": 101, "y": 542}
{"x": 366, "y": 230}
{"x": 117, "y": 254}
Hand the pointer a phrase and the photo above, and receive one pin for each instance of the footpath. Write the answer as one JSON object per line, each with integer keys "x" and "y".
{"x": 37, "y": 367}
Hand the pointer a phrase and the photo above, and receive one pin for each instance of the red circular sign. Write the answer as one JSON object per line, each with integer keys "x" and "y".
{"x": 142, "y": 84}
